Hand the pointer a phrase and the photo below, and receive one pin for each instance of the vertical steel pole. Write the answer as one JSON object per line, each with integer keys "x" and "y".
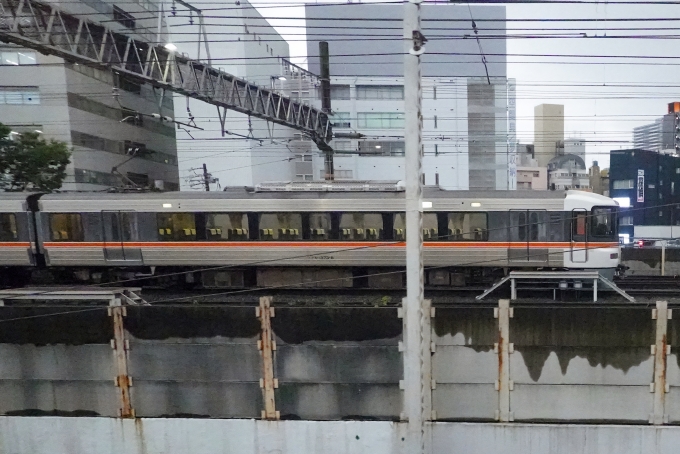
{"x": 415, "y": 390}
{"x": 325, "y": 79}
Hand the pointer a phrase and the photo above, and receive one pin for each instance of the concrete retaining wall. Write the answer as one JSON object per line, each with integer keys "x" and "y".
{"x": 64, "y": 435}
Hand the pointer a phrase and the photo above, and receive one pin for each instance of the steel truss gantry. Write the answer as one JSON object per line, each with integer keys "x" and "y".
{"x": 51, "y": 31}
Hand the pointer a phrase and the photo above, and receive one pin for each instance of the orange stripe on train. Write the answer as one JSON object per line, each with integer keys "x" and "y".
{"x": 324, "y": 244}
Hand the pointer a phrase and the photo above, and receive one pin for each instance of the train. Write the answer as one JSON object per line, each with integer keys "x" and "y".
{"x": 291, "y": 235}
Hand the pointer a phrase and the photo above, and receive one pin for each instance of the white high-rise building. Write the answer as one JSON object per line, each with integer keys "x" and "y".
{"x": 250, "y": 150}
{"x": 466, "y": 134}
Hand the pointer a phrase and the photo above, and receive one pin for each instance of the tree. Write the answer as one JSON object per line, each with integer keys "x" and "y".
{"x": 31, "y": 163}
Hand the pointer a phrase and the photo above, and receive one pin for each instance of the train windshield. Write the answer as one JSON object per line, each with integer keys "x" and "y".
{"x": 603, "y": 223}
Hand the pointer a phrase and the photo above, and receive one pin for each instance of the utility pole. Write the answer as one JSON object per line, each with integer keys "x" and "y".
{"x": 417, "y": 381}
{"x": 325, "y": 79}
{"x": 200, "y": 178}
{"x": 206, "y": 177}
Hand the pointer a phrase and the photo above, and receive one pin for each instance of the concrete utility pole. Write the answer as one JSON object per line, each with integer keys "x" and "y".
{"x": 417, "y": 384}
{"x": 206, "y": 177}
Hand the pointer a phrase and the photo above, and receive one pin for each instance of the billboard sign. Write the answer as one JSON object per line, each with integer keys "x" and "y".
{"x": 641, "y": 186}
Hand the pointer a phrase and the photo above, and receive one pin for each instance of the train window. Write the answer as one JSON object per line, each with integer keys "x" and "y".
{"x": 361, "y": 226}
{"x": 522, "y": 226}
{"x": 176, "y": 226}
{"x": 579, "y": 223}
{"x": 226, "y": 226}
{"x": 533, "y": 226}
{"x": 8, "y": 227}
{"x": 281, "y": 226}
{"x": 468, "y": 227}
{"x": 603, "y": 222}
{"x": 119, "y": 226}
{"x": 66, "y": 227}
{"x": 319, "y": 226}
{"x": 430, "y": 227}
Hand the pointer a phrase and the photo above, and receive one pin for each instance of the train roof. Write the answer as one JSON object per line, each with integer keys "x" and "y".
{"x": 247, "y": 200}
{"x": 249, "y": 193}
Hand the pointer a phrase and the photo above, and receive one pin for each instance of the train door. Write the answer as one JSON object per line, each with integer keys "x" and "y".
{"x": 120, "y": 227}
{"x": 579, "y": 236}
{"x": 528, "y": 235}
{"x": 518, "y": 246}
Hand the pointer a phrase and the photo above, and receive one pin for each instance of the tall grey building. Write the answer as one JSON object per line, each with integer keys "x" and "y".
{"x": 106, "y": 119}
{"x": 465, "y": 112}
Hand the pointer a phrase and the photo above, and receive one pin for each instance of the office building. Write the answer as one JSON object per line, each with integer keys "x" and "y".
{"x": 647, "y": 186}
{"x": 106, "y": 119}
{"x": 238, "y": 150}
{"x": 548, "y": 131}
{"x": 467, "y": 132}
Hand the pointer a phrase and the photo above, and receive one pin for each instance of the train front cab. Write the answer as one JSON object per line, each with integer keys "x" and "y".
{"x": 594, "y": 241}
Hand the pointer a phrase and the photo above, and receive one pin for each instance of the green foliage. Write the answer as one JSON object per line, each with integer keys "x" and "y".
{"x": 31, "y": 163}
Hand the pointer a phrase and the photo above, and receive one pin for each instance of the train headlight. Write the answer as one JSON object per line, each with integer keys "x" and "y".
{"x": 167, "y": 205}
{"x": 475, "y": 204}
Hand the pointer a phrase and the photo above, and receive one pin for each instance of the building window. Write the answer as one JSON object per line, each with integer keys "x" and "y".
{"x": 299, "y": 95}
{"x": 304, "y": 177}
{"x": 123, "y": 17}
{"x": 381, "y": 148}
{"x": 17, "y": 58}
{"x": 626, "y": 220}
{"x": 380, "y": 92}
{"x": 623, "y": 184}
{"x": 19, "y": 95}
{"x": 340, "y": 120}
{"x": 340, "y": 92}
{"x": 343, "y": 174}
{"x": 128, "y": 85}
{"x": 303, "y": 157}
{"x": 342, "y": 145}
{"x": 380, "y": 120}
{"x": 94, "y": 177}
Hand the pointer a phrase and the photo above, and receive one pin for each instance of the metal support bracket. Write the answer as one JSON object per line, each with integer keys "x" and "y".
{"x": 267, "y": 346}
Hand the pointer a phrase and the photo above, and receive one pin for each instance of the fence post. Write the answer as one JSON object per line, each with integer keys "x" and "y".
{"x": 660, "y": 350}
{"x": 267, "y": 345}
{"x": 120, "y": 348}
{"x": 503, "y": 348}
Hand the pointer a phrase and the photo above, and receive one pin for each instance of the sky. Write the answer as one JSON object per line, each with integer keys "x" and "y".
{"x": 604, "y": 97}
